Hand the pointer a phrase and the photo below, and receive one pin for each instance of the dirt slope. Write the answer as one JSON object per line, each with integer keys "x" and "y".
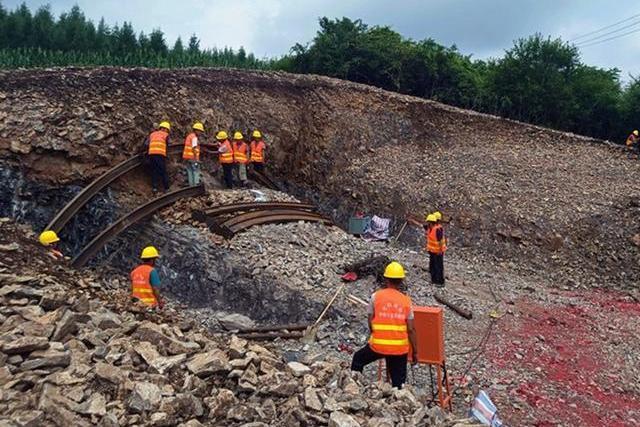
{"x": 551, "y": 203}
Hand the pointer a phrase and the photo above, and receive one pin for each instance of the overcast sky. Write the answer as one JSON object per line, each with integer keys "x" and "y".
{"x": 484, "y": 28}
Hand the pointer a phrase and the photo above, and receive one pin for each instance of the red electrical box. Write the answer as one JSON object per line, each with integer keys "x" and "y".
{"x": 429, "y": 323}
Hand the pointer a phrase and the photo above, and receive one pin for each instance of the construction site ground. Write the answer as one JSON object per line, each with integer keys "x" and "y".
{"x": 544, "y": 250}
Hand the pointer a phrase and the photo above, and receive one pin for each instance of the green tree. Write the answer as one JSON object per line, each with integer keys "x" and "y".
{"x": 157, "y": 43}
{"x": 194, "y": 44}
{"x": 178, "y": 48}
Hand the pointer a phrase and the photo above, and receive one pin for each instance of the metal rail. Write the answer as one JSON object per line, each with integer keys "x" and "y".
{"x": 131, "y": 218}
{"x": 280, "y": 219}
{"x": 258, "y": 214}
{"x": 87, "y": 193}
{"x": 263, "y": 179}
{"x": 238, "y": 207}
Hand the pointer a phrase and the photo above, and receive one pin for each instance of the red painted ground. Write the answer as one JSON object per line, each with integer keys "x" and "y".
{"x": 564, "y": 364}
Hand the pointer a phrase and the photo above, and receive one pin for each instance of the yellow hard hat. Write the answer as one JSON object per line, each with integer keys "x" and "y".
{"x": 635, "y": 132}
{"x": 238, "y": 136}
{"x": 198, "y": 126}
{"x": 438, "y": 215}
{"x": 432, "y": 218}
{"x": 221, "y": 136}
{"x": 394, "y": 271}
{"x": 48, "y": 237}
{"x": 149, "y": 253}
{"x": 165, "y": 125}
{"x": 256, "y": 134}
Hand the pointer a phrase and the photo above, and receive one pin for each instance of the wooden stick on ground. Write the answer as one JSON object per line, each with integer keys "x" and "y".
{"x": 310, "y": 333}
{"x": 461, "y": 311}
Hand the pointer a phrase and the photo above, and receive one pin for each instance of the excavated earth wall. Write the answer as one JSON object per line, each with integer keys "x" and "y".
{"x": 547, "y": 203}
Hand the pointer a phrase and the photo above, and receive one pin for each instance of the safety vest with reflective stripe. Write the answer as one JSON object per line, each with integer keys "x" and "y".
{"x": 227, "y": 156}
{"x": 141, "y": 285}
{"x": 240, "y": 152}
{"x": 389, "y": 324}
{"x": 190, "y": 151}
{"x": 257, "y": 151}
{"x": 434, "y": 245}
{"x": 158, "y": 143}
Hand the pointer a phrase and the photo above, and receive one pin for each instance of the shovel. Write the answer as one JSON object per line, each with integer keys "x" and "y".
{"x": 310, "y": 334}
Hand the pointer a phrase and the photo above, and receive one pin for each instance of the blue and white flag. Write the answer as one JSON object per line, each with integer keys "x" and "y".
{"x": 485, "y": 411}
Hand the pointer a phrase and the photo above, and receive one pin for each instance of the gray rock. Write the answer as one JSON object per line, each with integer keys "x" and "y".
{"x": 65, "y": 326}
{"x": 144, "y": 397}
{"x": 160, "y": 363}
{"x": 46, "y": 359}
{"x": 235, "y": 321}
{"x": 311, "y": 400}
{"x": 28, "y": 418}
{"x": 95, "y": 405}
{"x": 110, "y": 373}
{"x": 109, "y": 420}
{"x": 220, "y": 403}
{"x": 106, "y": 320}
{"x": 298, "y": 369}
{"x": 151, "y": 332}
{"x": 25, "y": 345}
{"x": 205, "y": 364}
{"x": 185, "y": 405}
{"x": 340, "y": 419}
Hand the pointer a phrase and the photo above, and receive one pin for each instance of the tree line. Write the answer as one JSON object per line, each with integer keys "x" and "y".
{"x": 40, "y": 40}
{"x": 539, "y": 80}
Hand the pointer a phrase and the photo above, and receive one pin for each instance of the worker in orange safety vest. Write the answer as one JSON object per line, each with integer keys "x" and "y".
{"x": 156, "y": 144}
{"x": 50, "y": 239}
{"x": 633, "y": 141}
{"x": 257, "y": 151}
{"x": 191, "y": 154}
{"x": 393, "y": 334}
{"x": 145, "y": 279}
{"x": 225, "y": 157}
{"x": 436, "y": 247}
{"x": 240, "y": 157}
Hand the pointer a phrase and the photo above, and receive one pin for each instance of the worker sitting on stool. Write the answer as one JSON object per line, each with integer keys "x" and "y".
{"x": 50, "y": 240}
{"x": 145, "y": 279}
{"x": 392, "y": 329}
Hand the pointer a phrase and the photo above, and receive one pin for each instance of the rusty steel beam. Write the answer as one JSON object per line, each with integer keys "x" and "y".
{"x": 131, "y": 218}
{"x": 272, "y": 336}
{"x": 87, "y": 193}
{"x": 259, "y": 214}
{"x": 461, "y": 311}
{"x": 295, "y": 327}
{"x": 263, "y": 179}
{"x": 277, "y": 219}
{"x": 242, "y": 207}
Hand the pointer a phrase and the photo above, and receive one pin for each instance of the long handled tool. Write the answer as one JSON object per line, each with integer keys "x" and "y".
{"x": 310, "y": 333}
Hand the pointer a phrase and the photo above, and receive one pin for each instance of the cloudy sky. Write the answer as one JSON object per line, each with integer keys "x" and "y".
{"x": 484, "y": 28}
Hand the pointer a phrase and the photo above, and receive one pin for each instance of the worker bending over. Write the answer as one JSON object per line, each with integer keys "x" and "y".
{"x": 50, "y": 239}
{"x": 225, "y": 157}
{"x": 257, "y": 151}
{"x": 436, "y": 247}
{"x": 157, "y": 151}
{"x": 240, "y": 157}
{"x": 145, "y": 279}
{"x": 191, "y": 154}
{"x": 391, "y": 326}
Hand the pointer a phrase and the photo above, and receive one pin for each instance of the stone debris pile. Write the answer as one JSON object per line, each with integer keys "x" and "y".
{"x": 73, "y": 352}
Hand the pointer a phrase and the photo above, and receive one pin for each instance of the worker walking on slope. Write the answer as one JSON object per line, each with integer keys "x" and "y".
{"x": 191, "y": 154}
{"x": 257, "y": 151}
{"x": 633, "y": 142}
{"x": 225, "y": 157}
{"x": 145, "y": 279}
{"x": 240, "y": 157}
{"x": 157, "y": 153}
{"x": 50, "y": 239}
{"x": 392, "y": 330}
{"x": 436, "y": 247}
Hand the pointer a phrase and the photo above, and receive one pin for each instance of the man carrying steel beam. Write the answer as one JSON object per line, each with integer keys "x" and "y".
{"x": 392, "y": 329}
{"x": 145, "y": 280}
